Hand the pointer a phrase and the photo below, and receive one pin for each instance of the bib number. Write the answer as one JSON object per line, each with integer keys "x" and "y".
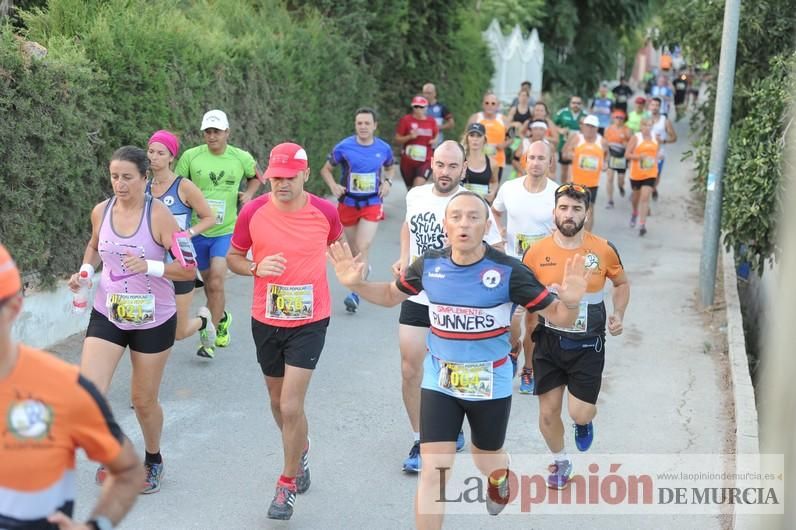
{"x": 289, "y": 302}
{"x": 417, "y": 152}
{"x": 131, "y": 309}
{"x": 617, "y": 162}
{"x": 219, "y": 208}
{"x": 523, "y": 242}
{"x": 490, "y": 149}
{"x": 466, "y": 380}
{"x": 647, "y": 162}
{"x": 589, "y": 163}
{"x": 480, "y": 189}
{"x": 581, "y": 323}
{"x": 362, "y": 183}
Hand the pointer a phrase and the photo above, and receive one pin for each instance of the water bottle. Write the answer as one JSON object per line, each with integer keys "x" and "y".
{"x": 80, "y": 298}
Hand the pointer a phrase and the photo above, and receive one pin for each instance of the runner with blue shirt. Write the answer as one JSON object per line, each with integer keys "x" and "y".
{"x": 439, "y": 111}
{"x": 601, "y": 107}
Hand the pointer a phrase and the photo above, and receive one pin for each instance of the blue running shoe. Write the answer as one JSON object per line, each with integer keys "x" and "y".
{"x": 526, "y": 381}
{"x": 351, "y": 302}
{"x": 412, "y": 462}
{"x": 460, "y": 442}
{"x": 584, "y": 436}
{"x": 560, "y": 473}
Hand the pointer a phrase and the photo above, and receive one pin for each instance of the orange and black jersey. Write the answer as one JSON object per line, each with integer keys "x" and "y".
{"x": 48, "y": 411}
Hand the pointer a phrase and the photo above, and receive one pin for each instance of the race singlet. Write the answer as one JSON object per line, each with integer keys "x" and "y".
{"x": 131, "y": 309}
{"x": 364, "y": 183}
{"x": 417, "y": 152}
{"x": 219, "y": 209}
{"x": 289, "y": 302}
{"x": 466, "y": 380}
{"x": 523, "y": 242}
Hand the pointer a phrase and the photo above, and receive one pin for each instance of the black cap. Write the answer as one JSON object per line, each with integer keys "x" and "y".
{"x": 476, "y": 128}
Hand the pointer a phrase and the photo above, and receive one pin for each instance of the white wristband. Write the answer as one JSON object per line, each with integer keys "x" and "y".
{"x": 89, "y": 268}
{"x": 155, "y": 268}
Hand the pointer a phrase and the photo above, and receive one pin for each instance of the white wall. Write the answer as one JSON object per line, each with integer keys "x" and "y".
{"x": 516, "y": 59}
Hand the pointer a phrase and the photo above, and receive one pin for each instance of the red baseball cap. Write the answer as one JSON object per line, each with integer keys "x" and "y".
{"x": 641, "y": 99}
{"x": 286, "y": 160}
{"x": 419, "y": 101}
{"x": 10, "y": 282}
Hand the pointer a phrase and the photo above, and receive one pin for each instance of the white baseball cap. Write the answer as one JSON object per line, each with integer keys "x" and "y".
{"x": 592, "y": 120}
{"x": 215, "y": 119}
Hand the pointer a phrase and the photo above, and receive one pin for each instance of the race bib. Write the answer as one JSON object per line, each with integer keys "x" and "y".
{"x": 647, "y": 162}
{"x": 417, "y": 152}
{"x": 490, "y": 149}
{"x": 466, "y": 380}
{"x": 617, "y": 162}
{"x": 480, "y": 189}
{"x": 621, "y": 98}
{"x": 362, "y": 183}
{"x": 590, "y": 163}
{"x": 219, "y": 208}
{"x": 130, "y": 309}
{"x": 523, "y": 242}
{"x": 581, "y": 323}
{"x": 289, "y": 302}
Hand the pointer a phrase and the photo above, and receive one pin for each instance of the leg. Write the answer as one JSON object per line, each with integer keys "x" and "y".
{"x": 643, "y": 203}
{"x": 274, "y": 387}
{"x": 438, "y": 459}
{"x": 292, "y": 417}
{"x": 531, "y": 321}
{"x": 351, "y": 238}
{"x": 412, "y": 343}
{"x": 365, "y": 233}
{"x": 407, "y": 173}
{"x": 186, "y": 325}
{"x": 147, "y": 375}
{"x": 634, "y": 199}
{"x": 580, "y": 411}
{"x": 550, "y": 418}
{"x": 214, "y": 287}
{"x": 609, "y": 178}
{"x": 620, "y": 182}
{"x": 99, "y": 360}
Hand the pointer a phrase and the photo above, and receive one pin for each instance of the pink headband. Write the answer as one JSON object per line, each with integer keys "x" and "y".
{"x": 168, "y": 139}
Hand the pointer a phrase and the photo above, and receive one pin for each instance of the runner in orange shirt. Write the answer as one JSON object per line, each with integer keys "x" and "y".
{"x": 49, "y": 411}
{"x": 287, "y": 231}
{"x": 495, "y": 124}
{"x": 589, "y": 154}
{"x": 617, "y": 135}
{"x": 573, "y": 357}
{"x": 643, "y": 151}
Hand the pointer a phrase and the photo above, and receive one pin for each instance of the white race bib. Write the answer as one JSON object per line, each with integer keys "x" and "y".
{"x": 589, "y": 163}
{"x": 480, "y": 189}
{"x": 289, "y": 302}
{"x": 362, "y": 183}
{"x": 130, "y": 309}
{"x": 219, "y": 209}
{"x": 466, "y": 380}
{"x": 523, "y": 242}
{"x": 581, "y": 323}
{"x": 417, "y": 152}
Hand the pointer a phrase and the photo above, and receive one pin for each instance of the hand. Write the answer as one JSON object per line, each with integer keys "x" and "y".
{"x": 244, "y": 197}
{"x": 615, "y": 324}
{"x": 271, "y": 266}
{"x": 384, "y": 189}
{"x": 576, "y": 278}
{"x": 338, "y": 190}
{"x": 413, "y": 134}
{"x": 347, "y": 267}
{"x": 398, "y": 267}
{"x": 74, "y": 282}
{"x": 64, "y": 522}
{"x": 134, "y": 264}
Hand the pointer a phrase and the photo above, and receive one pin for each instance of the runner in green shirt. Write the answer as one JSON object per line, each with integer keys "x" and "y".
{"x": 634, "y": 117}
{"x": 568, "y": 121}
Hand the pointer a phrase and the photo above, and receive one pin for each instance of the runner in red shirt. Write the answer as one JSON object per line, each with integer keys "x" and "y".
{"x": 287, "y": 231}
{"x": 416, "y": 132}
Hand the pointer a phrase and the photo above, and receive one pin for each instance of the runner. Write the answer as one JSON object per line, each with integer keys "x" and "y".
{"x": 182, "y": 197}
{"x": 665, "y": 93}
{"x": 573, "y": 356}
{"x": 539, "y": 130}
{"x": 495, "y": 124}
{"x": 663, "y": 130}
{"x": 527, "y": 205}
{"x": 422, "y": 230}
{"x": 622, "y": 94}
{"x": 568, "y": 122}
{"x": 472, "y": 290}
{"x": 287, "y": 232}
{"x": 520, "y": 115}
{"x": 481, "y": 176}
{"x": 638, "y": 112}
{"x": 49, "y": 412}
{"x": 416, "y": 133}
{"x": 601, "y": 107}
{"x": 643, "y": 151}
{"x": 218, "y": 169}
{"x": 589, "y": 154}
{"x": 439, "y": 111}
{"x": 134, "y": 305}
{"x": 681, "y": 84}
{"x": 525, "y": 86}
{"x": 366, "y": 167}
{"x": 617, "y": 136}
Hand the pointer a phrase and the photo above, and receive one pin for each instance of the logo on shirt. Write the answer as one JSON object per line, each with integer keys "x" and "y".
{"x": 216, "y": 178}
{"x": 427, "y": 231}
{"x": 168, "y": 200}
{"x": 119, "y": 277}
{"x": 490, "y": 278}
{"x": 592, "y": 261}
{"x": 30, "y": 419}
{"x": 436, "y": 274}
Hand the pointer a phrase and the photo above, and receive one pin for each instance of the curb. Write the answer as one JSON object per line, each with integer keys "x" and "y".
{"x": 746, "y": 426}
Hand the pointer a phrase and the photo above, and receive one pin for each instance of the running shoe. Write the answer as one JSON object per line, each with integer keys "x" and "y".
{"x": 642, "y": 231}
{"x": 222, "y": 333}
{"x": 351, "y": 302}
{"x": 633, "y": 218}
{"x": 560, "y": 473}
{"x": 303, "y": 475}
{"x": 460, "y": 442}
{"x": 584, "y": 436}
{"x": 154, "y": 474}
{"x": 497, "y": 497}
{"x": 526, "y": 381}
{"x": 412, "y": 462}
{"x": 101, "y": 475}
{"x": 207, "y": 336}
{"x": 207, "y": 353}
{"x": 282, "y": 505}
{"x": 609, "y": 205}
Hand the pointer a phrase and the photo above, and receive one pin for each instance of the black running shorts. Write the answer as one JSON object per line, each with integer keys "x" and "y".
{"x": 300, "y": 346}
{"x": 554, "y": 365}
{"x": 414, "y": 314}
{"x": 442, "y": 415}
{"x": 184, "y": 287}
{"x": 593, "y": 191}
{"x": 151, "y": 340}
{"x": 638, "y": 184}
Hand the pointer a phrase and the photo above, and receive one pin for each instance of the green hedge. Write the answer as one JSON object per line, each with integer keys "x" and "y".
{"x": 117, "y": 70}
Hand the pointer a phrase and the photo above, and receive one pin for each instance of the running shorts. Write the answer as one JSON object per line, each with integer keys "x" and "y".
{"x": 350, "y": 215}
{"x": 414, "y": 314}
{"x": 442, "y": 416}
{"x": 412, "y": 169}
{"x": 184, "y": 287}
{"x": 151, "y": 340}
{"x": 208, "y": 248}
{"x": 300, "y": 346}
{"x": 559, "y": 361}
{"x": 638, "y": 184}
{"x": 593, "y": 192}
{"x": 563, "y": 161}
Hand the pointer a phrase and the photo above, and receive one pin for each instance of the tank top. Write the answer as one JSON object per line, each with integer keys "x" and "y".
{"x": 478, "y": 181}
{"x": 132, "y": 301}
{"x": 522, "y": 117}
{"x": 647, "y": 166}
{"x": 171, "y": 198}
{"x": 617, "y": 139}
{"x": 587, "y": 162}
{"x": 659, "y": 132}
{"x": 495, "y": 134}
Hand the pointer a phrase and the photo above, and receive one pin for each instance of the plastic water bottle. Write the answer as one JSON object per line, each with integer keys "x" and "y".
{"x": 80, "y": 298}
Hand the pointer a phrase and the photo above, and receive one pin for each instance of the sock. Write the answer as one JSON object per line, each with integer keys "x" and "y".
{"x": 417, "y": 436}
{"x": 223, "y": 318}
{"x": 560, "y": 456}
{"x": 635, "y": 213}
{"x": 151, "y": 458}
{"x": 287, "y": 481}
{"x": 496, "y": 478}
{"x": 204, "y": 323}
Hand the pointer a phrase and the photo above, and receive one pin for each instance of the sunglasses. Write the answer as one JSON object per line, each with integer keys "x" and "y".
{"x": 577, "y": 188}
{"x": 418, "y": 106}
{"x": 490, "y": 103}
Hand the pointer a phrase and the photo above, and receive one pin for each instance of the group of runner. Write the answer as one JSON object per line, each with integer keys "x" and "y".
{"x": 485, "y": 271}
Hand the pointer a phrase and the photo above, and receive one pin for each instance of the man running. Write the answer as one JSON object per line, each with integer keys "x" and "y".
{"x": 439, "y": 111}
{"x": 472, "y": 289}
{"x": 589, "y": 154}
{"x": 416, "y": 132}
{"x": 665, "y": 93}
{"x": 49, "y": 412}
{"x": 568, "y": 122}
{"x": 527, "y": 204}
{"x": 287, "y": 231}
{"x": 495, "y": 124}
{"x": 218, "y": 169}
{"x": 622, "y": 94}
{"x": 538, "y": 129}
{"x": 634, "y": 116}
{"x": 663, "y": 130}
{"x": 366, "y": 165}
{"x": 573, "y": 356}
{"x": 423, "y": 230}
{"x": 601, "y": 107}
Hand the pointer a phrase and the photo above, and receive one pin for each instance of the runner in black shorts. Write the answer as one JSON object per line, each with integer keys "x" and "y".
{"x": 300, "y": 346}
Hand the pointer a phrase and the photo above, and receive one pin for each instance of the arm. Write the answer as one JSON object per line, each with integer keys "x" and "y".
{"x": 196, "y": 200}
{"x": 447, "y": 123}
{"x": 605, "y": 153}
{"x": 403, "y": 261}
{"x": 501, "y": 224}
{"x": 620, "y": 298}
{"x": 122, "y": 487}
{"x": 91, "y": 254}
{"x": 252, "y": 187}
{"x": 564, "y": 311}
{"x": 164, "y": 225}
{"x": 560, "y": 314}
{"x": 671, "y": 136}
{"x": 566, "y": 152}
{"x": 335, "y": 187}
{"x": 631, "y": 147}
{"x": 387, "y": 177}
{"x": 401, "y": 135}
{"x": 349, "y": 273}
{"x": 494, "y": 184}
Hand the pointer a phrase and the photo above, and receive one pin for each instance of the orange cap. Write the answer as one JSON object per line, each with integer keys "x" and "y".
{"x": 10, "y": 282}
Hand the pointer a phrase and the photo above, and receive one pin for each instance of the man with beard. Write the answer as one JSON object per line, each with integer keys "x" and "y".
{"x": 573, "y": 357}
{"x": 422, "y": 230}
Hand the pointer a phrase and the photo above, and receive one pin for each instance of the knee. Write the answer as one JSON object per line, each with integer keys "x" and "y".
{"x": 182, "y": 331}
{"x": 548, "y": 418}
{"x": 144, "y": 403}
{"x": 290, "y": 410}
{"x": 411, "y": 371}
{"x": 584, "y": 415}
{"x": 363, "y": 247}
{"x": 215, "y": 283}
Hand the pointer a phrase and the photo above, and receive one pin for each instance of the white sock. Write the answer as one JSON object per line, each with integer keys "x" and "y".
{"x": 560, "y": 456}
{"x": 417, "y": 436}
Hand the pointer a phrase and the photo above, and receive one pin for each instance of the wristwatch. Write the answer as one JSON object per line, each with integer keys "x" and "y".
{"x": 388, "y": 180}
{"x": 100, "y": 522}
{"x": 191, "y": 231}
